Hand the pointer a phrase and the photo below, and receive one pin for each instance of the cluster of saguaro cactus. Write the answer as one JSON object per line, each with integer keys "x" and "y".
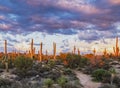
{"x": 116, "y": 49}
{"x": 54, "y": 50}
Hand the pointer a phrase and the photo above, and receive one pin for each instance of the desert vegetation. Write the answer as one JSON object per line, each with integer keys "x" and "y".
{"x": 31, "y": 70}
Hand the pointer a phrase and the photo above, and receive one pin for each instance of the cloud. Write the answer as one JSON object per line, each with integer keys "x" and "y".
{"x": 114, "y": 1}
{"x": 88, "y": 20}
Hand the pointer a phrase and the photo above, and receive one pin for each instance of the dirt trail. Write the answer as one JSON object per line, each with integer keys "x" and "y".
{"x": 86, "y": 80}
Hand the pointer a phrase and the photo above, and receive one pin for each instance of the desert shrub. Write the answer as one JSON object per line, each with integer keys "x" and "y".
{"x": 23, "y": 65}
{"x": 2, "y": 65}
{"x": 51, "y": 63}
{"x": 67, "y": 71}
{"x": 48, "y": 82}
{"x": 100, "y": 74}
{"x": 10, "y": 63}
{"x": 73, "y": 60}
{"x": 116, "y": 81}
{"x": 62, "y": 81}
{"x": 5, "y": 82}
{"x": 83, "y": 62}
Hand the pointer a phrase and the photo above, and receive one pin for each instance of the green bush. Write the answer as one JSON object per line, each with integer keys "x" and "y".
{"x": 67, "y": 71}
{"x": 83, "y": 62}
{"x": 51, "y": 63}
{"x": 100, "y": 74}
{"x": 10, "y": 63}
{"x": 48, "y": 82}
{"x": 73, "y": 60}
{"x": 23, "y": 64}
{"x": 62, "y": 81}
{"x": 2, "y": 64}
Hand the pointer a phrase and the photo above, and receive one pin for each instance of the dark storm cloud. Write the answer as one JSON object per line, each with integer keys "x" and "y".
{"x": 60, "y": 16}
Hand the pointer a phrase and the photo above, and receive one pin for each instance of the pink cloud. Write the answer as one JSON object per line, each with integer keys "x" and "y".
{"x": 5, "y": 26}
{"x": 114, "y": 1}
{"x": 79, "y": 6}
{"x": 2, "y": 17}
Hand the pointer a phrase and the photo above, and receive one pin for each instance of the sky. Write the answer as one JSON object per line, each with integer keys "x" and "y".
{"x": 87, "y": 24}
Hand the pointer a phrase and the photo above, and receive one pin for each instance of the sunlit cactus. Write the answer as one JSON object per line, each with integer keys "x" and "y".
{"x": 46, "y": 53}
{"x": 94, "y": 51}
{"x": 116, "y": 49}
{"x": 74, "y": 49}
{"x": 6, "y": 56}
{"x": 105, "y": 52}
{"x": 5, "y": 47}
{"x": 40, "y": 52}
{"x": 29, "y": 53}
{"x": 54, "y": 50}
{"x": 32, "y": 50}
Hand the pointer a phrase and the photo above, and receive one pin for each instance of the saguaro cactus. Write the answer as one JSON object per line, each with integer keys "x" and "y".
{"x": 46, "y": 53}
{"x": 40, "y": 52}
{"x": 116, "y": 49}
{"x": 74, "y": 49}
{"x": 54, "y": 51}
{"x": 5, "y": 48}
{"x": 94, "y": 51}
{"x": 6, "y": 57}
{"x": 32, "y": 50}
{"x": 105, "y": 52}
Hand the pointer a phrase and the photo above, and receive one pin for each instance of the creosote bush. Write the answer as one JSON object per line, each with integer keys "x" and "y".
{"x": 74, "y": 61}
{"x": 48, "y": 82}
{"x": 23, "y": 64}
{"x": 100, "y": 75}
{"x": 62, "y": 81}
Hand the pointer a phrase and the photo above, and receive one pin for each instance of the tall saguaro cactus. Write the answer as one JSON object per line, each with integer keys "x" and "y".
{"x": 6, "y": 57}
{"x": 40, "y": 52}
{"x": 94, "y": 51}
{"x": 116, "y": 49}
{"x": 74, "y": 49}
{"x": 5, "y": 48}
{"x": 46, "y": 54}
{"x": 32, "y": 49}
{"x": 54, "y": 51}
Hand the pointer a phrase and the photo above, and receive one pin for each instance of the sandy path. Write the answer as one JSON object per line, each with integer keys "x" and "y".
{"x": 85, "y": 80}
